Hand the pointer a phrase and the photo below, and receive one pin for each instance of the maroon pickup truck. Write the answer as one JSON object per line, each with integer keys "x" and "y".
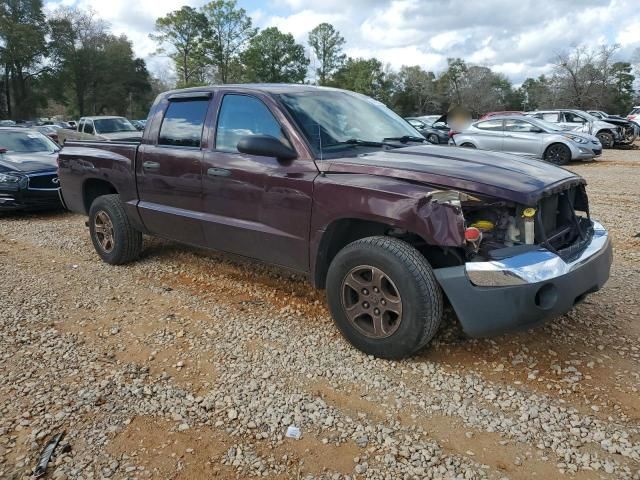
{"x": 335, "y": 185}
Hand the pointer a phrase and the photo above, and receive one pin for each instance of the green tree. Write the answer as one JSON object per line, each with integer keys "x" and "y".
{"x": 273, "y": 56}
{"x": 23, "y": 29}
{"x": 94, "y": 72}
{"x": 231, "y": 30}
{"x": 415, "y": 92}
{"x": 326, "y": 42}
{"x": 181, "y": 35}
{"x": 620, "y": 98}
{"x": 366, "y": 76}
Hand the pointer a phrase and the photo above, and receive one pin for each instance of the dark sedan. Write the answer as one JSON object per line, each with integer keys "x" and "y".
{"x": 28, "y": 170}
{"x": 436, "y": 132}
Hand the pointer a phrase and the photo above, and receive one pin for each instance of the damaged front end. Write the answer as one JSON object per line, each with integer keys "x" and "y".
{"x": 488, "y": 229}
{"x": 522, "y": 264}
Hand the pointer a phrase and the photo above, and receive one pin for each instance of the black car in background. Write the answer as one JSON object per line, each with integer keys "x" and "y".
{"x": 28, "y": 170}
{"x": 435, "y": 132}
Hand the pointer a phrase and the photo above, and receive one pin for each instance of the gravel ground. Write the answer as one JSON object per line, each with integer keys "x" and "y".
{"x": 190, "y": 365}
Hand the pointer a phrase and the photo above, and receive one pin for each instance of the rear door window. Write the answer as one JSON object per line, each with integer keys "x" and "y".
{"x": 518, "y": 126}
{"x": 183, "y": 123}
{"x": 550, "y": 117}
{"x": 88, "y": 127}
{"x": 493, "y": 125}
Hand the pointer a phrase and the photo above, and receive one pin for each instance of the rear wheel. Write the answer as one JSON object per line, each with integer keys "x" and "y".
{"x": 558, "y": 154}
{"x": 606, "y": 139}
{"x": 384, "y": 297}
{"x": 433, "y": 139}
{"x": 113, "y": 236}
{"x": 468, "y": 145}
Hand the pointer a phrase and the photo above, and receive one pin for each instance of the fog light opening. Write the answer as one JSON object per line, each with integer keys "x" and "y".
{"x": 546, "y": 297}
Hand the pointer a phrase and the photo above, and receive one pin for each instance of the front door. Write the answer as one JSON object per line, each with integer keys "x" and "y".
{"x": 256, "y": 206}
{"x": 170, "y": 173}
{"x": 520, "y": 137}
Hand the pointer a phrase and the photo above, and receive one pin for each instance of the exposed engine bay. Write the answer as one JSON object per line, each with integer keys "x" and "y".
{"x": 497, "y": 229}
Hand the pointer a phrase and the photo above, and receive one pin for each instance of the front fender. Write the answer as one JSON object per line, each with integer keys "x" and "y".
{"x": 397, "y": 203}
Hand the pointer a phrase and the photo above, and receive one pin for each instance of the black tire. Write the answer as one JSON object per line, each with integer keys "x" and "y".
{"x": 433, "y": 138}
{"x": 606, "y": 139}
{"x": 418, "y": 292}
{"x": 467, "y": 145}
{"x": 558, "y": 154}
{"x": 126, "y": 241}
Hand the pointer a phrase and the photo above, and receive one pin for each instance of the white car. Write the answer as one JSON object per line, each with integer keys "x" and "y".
{"x": 580, "y": 121}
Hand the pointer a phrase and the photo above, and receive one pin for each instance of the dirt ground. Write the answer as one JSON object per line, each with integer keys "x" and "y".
{"x": 191, "y": 364}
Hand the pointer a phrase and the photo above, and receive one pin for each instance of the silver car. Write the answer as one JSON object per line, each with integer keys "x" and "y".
{"x": 523, "y": 135}
{"x": 581, "y": 121}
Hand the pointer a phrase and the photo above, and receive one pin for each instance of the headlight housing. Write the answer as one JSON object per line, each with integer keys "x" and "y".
{"x": 575, "y": 138}
{"x": 12, "y": 181}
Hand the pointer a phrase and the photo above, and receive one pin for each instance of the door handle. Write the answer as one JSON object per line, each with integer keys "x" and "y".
{"x": 218, "y": 172}
{"x": 151, "y": 166}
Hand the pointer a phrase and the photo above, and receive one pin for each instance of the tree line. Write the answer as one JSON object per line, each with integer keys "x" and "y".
{"x": 67, "y": 63}
{"x": 72, "y": 60}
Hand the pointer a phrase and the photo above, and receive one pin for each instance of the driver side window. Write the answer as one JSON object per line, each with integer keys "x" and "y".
{"x": 242, "y": 115}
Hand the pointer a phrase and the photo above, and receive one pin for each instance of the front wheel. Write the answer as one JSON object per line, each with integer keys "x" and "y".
{"x": 606, "y": 139}
{"x": 468, "y": 145}
{"x": 433, "y": 139}
{"x": 384, "y": 297}
{"x": 558, "y": 154}
{"x": 112, "y": 234}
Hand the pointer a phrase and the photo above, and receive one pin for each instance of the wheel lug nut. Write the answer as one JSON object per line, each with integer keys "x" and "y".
{"x": 375, "y": 289}
{"x": 365, "y": 305}
{"x": 383, "y": 301}
{"x": 365, "y": 291}
{"x": 376, "y": 311}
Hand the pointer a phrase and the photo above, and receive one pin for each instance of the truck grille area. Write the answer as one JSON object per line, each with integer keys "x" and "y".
{"x": 559, "y": 228}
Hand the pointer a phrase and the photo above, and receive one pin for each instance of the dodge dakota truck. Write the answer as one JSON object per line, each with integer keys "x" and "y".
{"x": 335, "y": 185}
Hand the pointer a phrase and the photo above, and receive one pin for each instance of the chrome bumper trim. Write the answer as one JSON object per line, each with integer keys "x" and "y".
{"x": 534, "y": 267}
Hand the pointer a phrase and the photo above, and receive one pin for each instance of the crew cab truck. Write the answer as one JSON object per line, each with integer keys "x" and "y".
{"x": 335, "y": 185}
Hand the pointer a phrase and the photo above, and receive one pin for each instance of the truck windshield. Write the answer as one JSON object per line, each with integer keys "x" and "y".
{"x": 113, "y": 125}
{"x": 333, "y": 120}
{"x": 26, "y": 142}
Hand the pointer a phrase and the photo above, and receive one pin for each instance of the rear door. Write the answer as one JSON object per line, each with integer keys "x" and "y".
{"x": 257, "y": 206}
{"x": 169, "y": 171}
{"x": 521, "y": 137}
{"x": 489, "y": 135}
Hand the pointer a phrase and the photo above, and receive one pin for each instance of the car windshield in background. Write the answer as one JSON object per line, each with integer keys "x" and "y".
{"x": 547, "y": 125}
{"x": 330, "y": 120}
{"x": 113, "y": 125}
{"x": 26, "y": 142}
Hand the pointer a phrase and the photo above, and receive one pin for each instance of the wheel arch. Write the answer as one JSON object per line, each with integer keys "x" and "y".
{"x": 93, "y": 188}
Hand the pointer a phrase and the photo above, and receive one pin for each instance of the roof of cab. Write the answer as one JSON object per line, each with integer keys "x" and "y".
{"x": 262, "y": 87}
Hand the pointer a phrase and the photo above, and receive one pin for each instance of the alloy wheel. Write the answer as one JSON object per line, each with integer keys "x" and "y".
{"x": 371, "y": 301}
{"x": 103, "y": 228}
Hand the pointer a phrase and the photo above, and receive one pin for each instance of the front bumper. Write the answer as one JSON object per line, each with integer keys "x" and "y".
{"x": 29, "y": 200}
{"x": 521, "y": 291}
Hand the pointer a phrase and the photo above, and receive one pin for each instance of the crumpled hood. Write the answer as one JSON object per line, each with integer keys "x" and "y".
{"x": 28, "y": 162}
{"x": 503, "y": 176}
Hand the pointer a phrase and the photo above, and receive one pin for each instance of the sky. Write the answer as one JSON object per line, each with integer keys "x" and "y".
{"x": 518, "y": 38}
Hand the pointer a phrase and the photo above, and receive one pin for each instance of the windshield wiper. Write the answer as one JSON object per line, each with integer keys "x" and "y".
{"x": 362, "y": 143}
{"x": 406, "y": 138}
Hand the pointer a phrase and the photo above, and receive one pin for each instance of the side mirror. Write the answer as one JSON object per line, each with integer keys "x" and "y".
{"x": 266, "y": 146}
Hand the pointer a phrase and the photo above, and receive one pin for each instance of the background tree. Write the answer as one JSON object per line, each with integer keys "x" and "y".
{"x": 415, "y": 92}
{"x": 365, "y": 76}
{"x": 23, "y": 28}
{"x": 181, "y": 35}
{"x": 326, "y": 43}
{"x": 94, "y": 72}
{"x": 273, "y": 56}
{"x": 231, "y": 29}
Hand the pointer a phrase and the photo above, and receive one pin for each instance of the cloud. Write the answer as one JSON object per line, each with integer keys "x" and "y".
{"x": 519, "y": 39}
